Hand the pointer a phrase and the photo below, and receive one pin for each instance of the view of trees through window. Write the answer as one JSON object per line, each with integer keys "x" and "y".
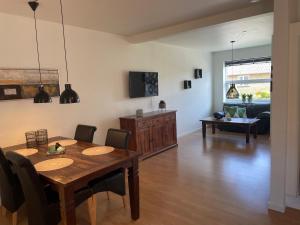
{"x": 250, "y": 78}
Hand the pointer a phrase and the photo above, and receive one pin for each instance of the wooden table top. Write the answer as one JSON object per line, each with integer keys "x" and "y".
{"x": 232, "y": 121}
{"x": 83, "y": 167}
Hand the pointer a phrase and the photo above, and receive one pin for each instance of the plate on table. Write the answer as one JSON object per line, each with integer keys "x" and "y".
{"x": 64, "y": 143}
{"x": 99, "y": 150}
{"x": 26, "y": 151}
{"x": 53, "y": 164}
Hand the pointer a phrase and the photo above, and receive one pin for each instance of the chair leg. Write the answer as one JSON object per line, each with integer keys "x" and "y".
{"x": 15, "y": 218}
{"x": 124, "y": 201}
{"x": 107, "y": 194}
{"x": 3, "y": 211}
{"x": 92, "y": 203}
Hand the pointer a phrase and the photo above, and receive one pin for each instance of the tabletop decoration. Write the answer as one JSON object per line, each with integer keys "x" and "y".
{"x": 56, "y": 149}
{"x": 53, "y": 164}
{"x": 99, "y": 150}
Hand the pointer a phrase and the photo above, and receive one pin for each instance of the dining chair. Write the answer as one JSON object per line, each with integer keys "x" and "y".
{"x": 42, "y": 202}
{"x": 85, "y": 133}
{"x": 114, "y": 181}
{"x": 11, "y": 192}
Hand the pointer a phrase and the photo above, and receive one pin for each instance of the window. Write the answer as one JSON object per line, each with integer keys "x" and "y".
{"x": 251, "y": 76}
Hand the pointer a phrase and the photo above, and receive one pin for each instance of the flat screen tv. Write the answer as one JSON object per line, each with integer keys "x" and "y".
{"x": 143, "y": 84}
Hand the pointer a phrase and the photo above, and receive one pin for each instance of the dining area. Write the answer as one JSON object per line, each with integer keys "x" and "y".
{"x": 51, "y": 177}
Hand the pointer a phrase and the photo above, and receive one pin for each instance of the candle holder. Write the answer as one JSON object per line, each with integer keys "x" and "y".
{"x": 42, "y": 137}
{"x": 31, "y": 139}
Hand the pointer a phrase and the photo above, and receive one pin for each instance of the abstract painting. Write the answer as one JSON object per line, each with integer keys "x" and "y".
{"x": 23, "y": 83}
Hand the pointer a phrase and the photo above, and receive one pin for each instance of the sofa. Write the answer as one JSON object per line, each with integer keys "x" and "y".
{"x": 253, "y": 110}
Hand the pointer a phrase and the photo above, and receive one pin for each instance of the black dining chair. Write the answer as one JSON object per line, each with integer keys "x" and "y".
{"x": 85, "y": 133}
{"x": 114, "y": 181}
{"x": 11, "y": 192}
{"x": 42, "y": 202}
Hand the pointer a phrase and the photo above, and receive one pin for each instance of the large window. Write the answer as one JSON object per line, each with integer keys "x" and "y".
{"x": 251, "y": 76}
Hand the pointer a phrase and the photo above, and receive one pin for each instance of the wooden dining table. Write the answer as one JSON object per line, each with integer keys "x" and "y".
{"x": 68, "y": 180}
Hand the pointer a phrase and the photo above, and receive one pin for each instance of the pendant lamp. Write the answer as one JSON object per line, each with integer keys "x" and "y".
{"x": 42, "y": 96}
{"x": 232, "y": 92}
{"x": 68, "y": 96}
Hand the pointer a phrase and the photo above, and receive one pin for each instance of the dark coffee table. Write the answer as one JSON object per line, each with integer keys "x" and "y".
{"x": 246, "y": 123}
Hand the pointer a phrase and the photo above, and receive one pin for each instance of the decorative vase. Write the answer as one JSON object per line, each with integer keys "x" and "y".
{"x": 162, "y": 105}
{"x": 139, "y": 113}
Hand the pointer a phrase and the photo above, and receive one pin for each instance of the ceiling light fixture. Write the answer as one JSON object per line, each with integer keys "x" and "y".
{"x": 232, "y": 93}
{"x": 41, "y": 96}
{"x": 68, "y": 96}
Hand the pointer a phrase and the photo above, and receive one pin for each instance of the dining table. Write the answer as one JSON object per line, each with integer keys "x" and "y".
{"x": 85, "y": 168}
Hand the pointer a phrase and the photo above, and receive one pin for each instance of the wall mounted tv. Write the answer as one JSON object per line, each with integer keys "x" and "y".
{"x": 143, "y": 84}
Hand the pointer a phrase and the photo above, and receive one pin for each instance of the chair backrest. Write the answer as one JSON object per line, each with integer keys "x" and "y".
{"x": 85, "y": 133}
{"x": 117, "y": 138}
{"x": 36, "y": 200}
{"x": 10, "y": 188}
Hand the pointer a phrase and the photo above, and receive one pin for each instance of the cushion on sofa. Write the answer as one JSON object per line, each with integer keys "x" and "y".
{"x": 242, "y": 112}
{"x": 231, "y": 111}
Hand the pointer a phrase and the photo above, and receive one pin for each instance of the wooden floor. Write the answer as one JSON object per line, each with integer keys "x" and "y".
{"x": 221, "y": 181}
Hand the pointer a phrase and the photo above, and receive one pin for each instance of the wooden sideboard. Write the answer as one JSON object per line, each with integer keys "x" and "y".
{"x": 153, "y": 133}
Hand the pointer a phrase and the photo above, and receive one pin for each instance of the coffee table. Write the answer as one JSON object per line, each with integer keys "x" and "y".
{"x": 246, "y": 123}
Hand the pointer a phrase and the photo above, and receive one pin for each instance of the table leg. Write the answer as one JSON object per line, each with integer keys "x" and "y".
{"x": 213, "y": 128}
{"x": 248, "y": 128}
{"x": 255, "y": 131}
{"x": 203, "y": 129}
{"x": 134, "y": 192}
{"x": 67, "y": 206}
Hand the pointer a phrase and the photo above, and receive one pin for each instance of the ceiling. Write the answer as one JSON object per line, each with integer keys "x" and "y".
{"x": 124, "y": 17}
{"x": 247, "y": 32}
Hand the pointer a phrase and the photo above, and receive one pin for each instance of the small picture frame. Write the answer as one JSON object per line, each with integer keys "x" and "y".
{"x": 197, "y": 73}
{"x": 187, "y": 84}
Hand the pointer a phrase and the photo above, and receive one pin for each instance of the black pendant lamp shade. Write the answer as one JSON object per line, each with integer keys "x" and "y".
{"x": 68, "y": 96}
{"x": 232, "y": 92}
{"x": 42, "y": 96}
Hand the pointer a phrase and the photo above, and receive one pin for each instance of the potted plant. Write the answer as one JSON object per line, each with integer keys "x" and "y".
{"x": 250, "y": 98}
{"x": 244, "y": 98}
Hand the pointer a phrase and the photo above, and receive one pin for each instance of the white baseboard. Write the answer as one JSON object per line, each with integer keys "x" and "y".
{"x": 189, "y": 132}
{"x": 276, "y": 207}
{"x": 293, "y": 201}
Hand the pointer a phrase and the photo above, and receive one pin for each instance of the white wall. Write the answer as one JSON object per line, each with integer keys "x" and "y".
{"x": 99, "y": 63}
{"x": 293, "y": 125}
{"x": 218, "y": 65}
{"x": 284, "y": 14}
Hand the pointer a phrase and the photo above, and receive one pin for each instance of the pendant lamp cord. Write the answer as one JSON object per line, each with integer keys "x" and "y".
{"x": 37, "y": 46}
{"x": 64, "y": 37}
{"x": 232, "y": 42}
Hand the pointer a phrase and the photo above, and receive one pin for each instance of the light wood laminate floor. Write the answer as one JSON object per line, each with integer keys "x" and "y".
{"x": 221, "y": 181}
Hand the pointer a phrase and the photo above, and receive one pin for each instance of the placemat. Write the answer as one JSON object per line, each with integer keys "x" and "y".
{"x": 99, "y": 150}
{"x": 64, "y": 142}
{"x": 53, "y": 164}
{"x": 26, "y": 151}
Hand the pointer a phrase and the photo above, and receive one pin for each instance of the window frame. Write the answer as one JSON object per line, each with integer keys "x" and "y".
{"x": 226, "y": 83}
